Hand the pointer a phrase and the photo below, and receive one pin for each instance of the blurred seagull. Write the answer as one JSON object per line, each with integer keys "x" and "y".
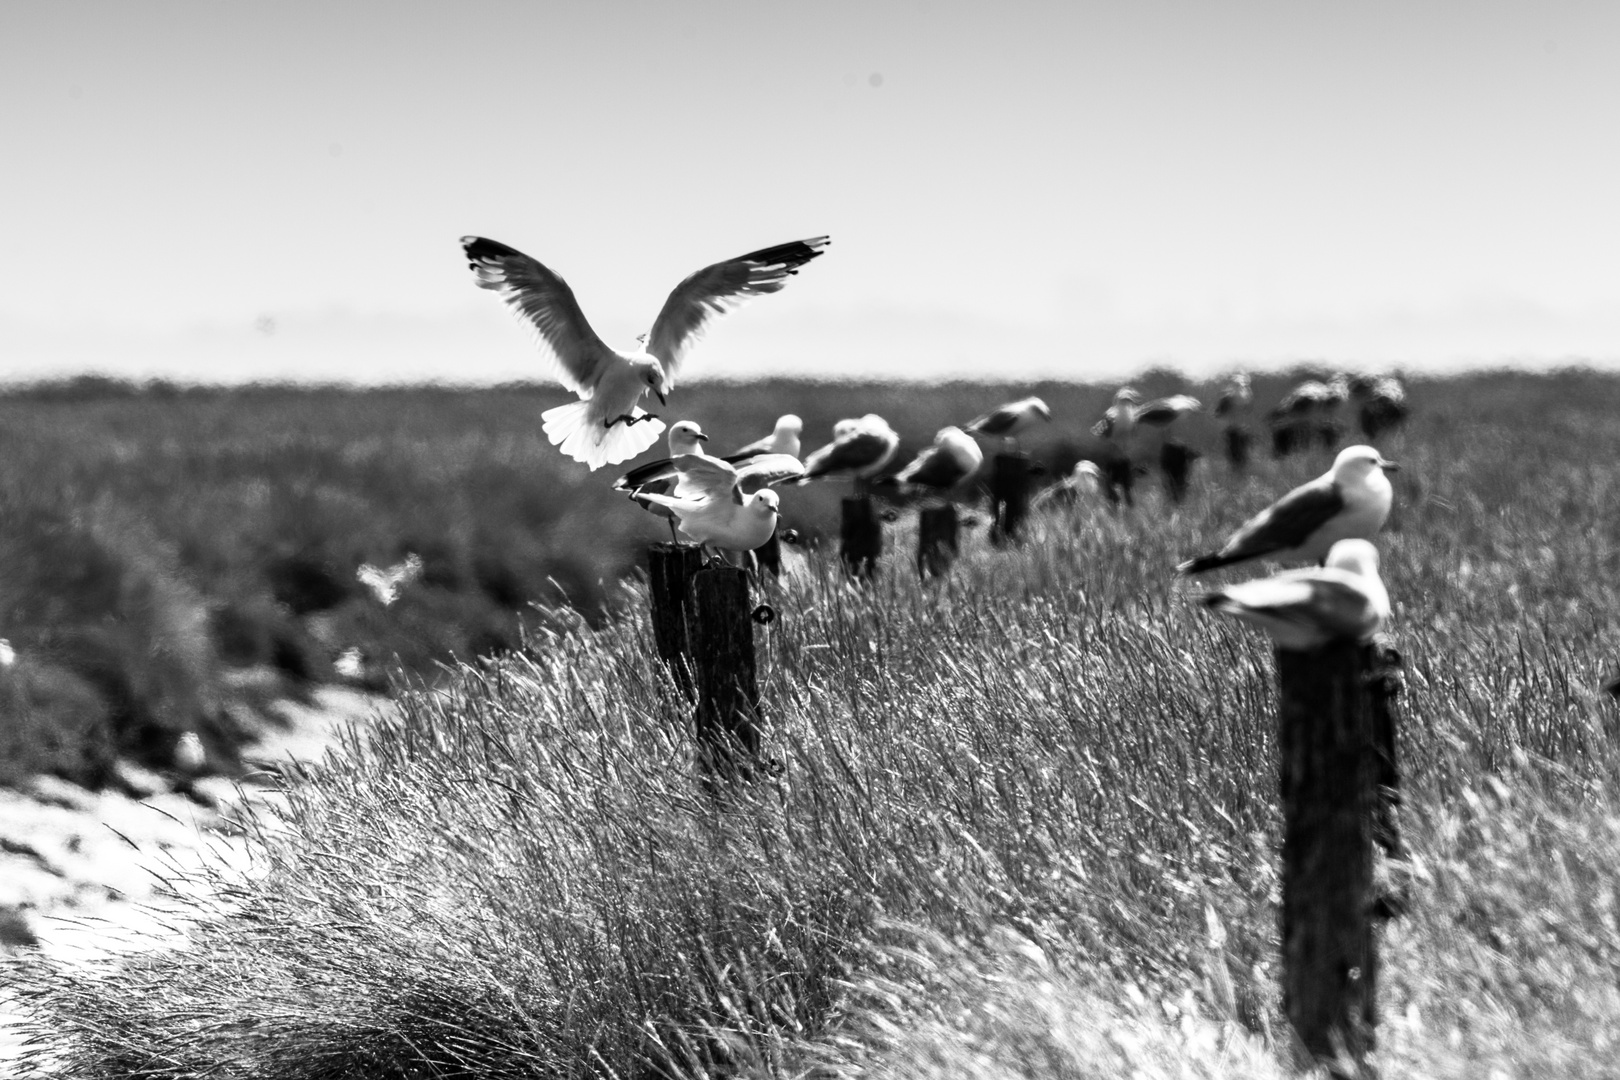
{"x": 1350, "y": 500}
{"x": 1166, "y": 410}
{"x": 1120, "y": 418}
{"x": 1306, "y": 609}
{"x": 860, "y": 448}
{"x": 1235, "y": 397}
{"x": 946, "y": 465}
{"x": 607, "y": 425}
{"x": 1010, "y": 420}
{"x": 385, "y": 583}
{"x": 784, "y": 439}
{"x": 716, "y": 513}
{"x": 1380, "y": 403}
{"x": 1084, "y": 483}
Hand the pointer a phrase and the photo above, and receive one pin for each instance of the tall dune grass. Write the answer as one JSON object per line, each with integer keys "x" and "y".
{"x": 1026, "y": 823}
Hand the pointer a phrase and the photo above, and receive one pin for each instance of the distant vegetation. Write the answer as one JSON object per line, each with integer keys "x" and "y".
{"x": 1027, "y": 820}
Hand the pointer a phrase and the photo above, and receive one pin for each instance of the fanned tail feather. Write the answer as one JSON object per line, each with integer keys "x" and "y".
{"x": 571, "y": 429}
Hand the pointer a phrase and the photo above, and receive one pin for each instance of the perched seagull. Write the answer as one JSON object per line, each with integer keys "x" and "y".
{"x": 1306, "y": 609}
{"x": 1167, "y": 410}
{"x": 1083, "y": 484}
{"x": 1010, "y": 420}
{"x": 784, "y": 439}
{"x": 717, "y": 513}
{"x": 1380, "y": 403}
{"x": 607, "y": 425}
{"x": 945, "y": 466}
{"x": 1350, "y": 500}
{"x": 860, "y": 448}
{"x": 685, "y": 437}
{"x": 1120, "y": 419}
{"x": 1235, "y": 397}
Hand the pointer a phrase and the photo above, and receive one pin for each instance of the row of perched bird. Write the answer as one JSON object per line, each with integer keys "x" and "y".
{"x": 729, "y": 502}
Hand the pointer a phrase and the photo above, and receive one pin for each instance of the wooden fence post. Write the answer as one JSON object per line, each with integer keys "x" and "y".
{"x": 1329, "y": 799}
{"x": 937, "y": 532}
{"x": 669, "y": 572}
{"x": 727, "y": 721}
{"x": 1238, "y": 439}
{"x": 1119, "y": 477}
{"x": 1009, "y": 495}
{"x": 1176, "y": 461}
{"x": 861, "y": 534}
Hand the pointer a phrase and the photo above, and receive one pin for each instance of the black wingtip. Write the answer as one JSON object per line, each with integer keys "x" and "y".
{"x": 1202, "y": 564}
{"x": 478, "y": 247}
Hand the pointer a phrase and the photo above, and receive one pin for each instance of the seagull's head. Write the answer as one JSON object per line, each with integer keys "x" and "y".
{"x": 788, "y": 424}
{"x": 767, "y": 499}
{"x": 1355, "y": 463}
{"x": 845, "y": 428}
{"x": 1126, "y": 395}
{"x": 1039, "y": 408}
{"x": 651, "y": 372}
{"x": 684, "y": 437}
{"x": 1356, "y": 556}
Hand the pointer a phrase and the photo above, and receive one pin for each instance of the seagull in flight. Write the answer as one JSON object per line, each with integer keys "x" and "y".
{"x": 607, "y": 425}
{"x": 1350, "y": 500}
{"x": 1010, "y": 420}
{"x": 715, "y": 512}
{"x": 1306, "y": 609}
{"x": 945, "y": 466}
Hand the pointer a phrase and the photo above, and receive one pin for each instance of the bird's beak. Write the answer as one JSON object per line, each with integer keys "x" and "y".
{"x": 1388, "y": 466}
{"x": 662, "y": 400}
{"x": 701, "y": 437}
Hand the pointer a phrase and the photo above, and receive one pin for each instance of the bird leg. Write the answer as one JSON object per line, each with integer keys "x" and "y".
{"x": 627, "y": 420}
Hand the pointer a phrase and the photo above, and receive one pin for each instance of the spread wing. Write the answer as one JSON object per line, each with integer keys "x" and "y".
{"x": 707, "y": 478}
{"x": 544, "y": 301}
{"x": 719, "y": 288}
{"x": 643, "y": 475}
{"x": 1288, "y": 522}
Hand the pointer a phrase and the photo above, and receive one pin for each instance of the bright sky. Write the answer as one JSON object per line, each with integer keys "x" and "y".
{"x": 234, "y": 191}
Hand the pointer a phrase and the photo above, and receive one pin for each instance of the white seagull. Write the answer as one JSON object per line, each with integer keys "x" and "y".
{"x": 607, "y": 425}
{"x": 945, "y": 466}
{"x": 783, "y": 439}
{"x": 860, "y": 448}
{"x": 1306, "y": 609}
{"x": 1120, "y": 418}
{"x": 1083, "y": 484}
{"x": 685, "y": 437}
{"x": 1350, "y": 500}
{"x": 716, "y": 512}
{"x": 1010, "y": 420}
{"x": 1235, "y": 397}
{"x": 1166, "y": 410}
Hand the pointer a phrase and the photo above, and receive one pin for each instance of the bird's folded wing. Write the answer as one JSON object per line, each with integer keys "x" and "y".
{"x": 546, "y": 304}
{"x": 763, "y": 470}
{"x": 708, "y": 478}
{"x": 854, "y": 452}
{"x": 1289, "y": 521}
{"x": 993, "y": 422}
{"x": 753, "y": 449}
{"x": 719, "y": 288}
{"x": 1326, "y": 599}
{"x": 932, "y": 468}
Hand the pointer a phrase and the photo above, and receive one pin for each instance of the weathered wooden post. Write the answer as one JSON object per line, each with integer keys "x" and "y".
{"x": 937, "y": 532}
{"x": 669, "y": 573}
{"x": 1176, "y": 461}
{"x": 727, "y": 721}
{"x": 861, "y": 536}
{"x": 1009, "y": 495}
{"x": 1284, "y": 437}
{"x": 1238, "y": 441}
{"x": 1119, "y": 478}
{"x": 1329, "y": 778}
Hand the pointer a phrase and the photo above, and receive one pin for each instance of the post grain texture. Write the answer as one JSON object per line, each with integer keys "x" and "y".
{"x": 669, "y": 574}
{"x": 1328, "y": 787}
{"x": 937, "y": 533}
{"x": 728, "y": 737}
{"x": 861, "y": 536}
{"x": 1009, "y": 495}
